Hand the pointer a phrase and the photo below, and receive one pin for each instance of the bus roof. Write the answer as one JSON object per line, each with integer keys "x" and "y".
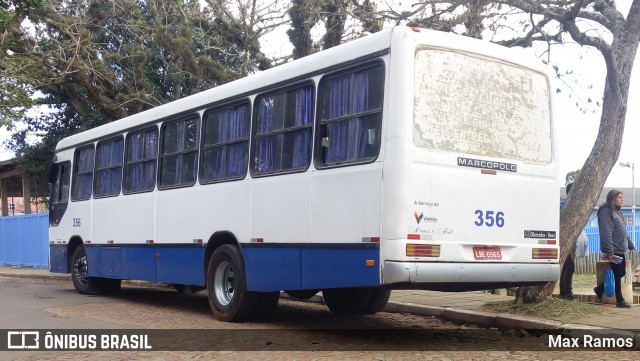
{"x": 363, "y": 47}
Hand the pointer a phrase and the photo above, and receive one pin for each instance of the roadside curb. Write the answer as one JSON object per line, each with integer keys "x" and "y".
{"x": 61, "y": 277}
{"x": 492, "y": 320}
{"x": 461, "y": 316}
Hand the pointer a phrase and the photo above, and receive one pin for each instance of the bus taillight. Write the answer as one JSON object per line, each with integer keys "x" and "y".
{"x": 423, "y": 250}
{"x": 544, "y": 253}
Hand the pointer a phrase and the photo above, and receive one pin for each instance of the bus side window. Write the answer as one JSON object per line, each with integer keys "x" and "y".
{"x": 225, "y": 144}
{"x": 351, "y": 117}
{"x": 141, "y": 161}
{"x": 59, "y": 178}
{"x": 109, "y": 167}
{"x": 179, "y": 152}
{"x": 283, "y": 131}
{"x": 59, "y": 182}
{"x": 82, "y": 184}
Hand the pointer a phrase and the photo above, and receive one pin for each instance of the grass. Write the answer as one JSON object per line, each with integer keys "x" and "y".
{"x": 551, "y": 309}
{"x": 554, "y": 308}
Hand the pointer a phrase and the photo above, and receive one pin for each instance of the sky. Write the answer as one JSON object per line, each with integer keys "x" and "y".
{"x": 576, "y": 131}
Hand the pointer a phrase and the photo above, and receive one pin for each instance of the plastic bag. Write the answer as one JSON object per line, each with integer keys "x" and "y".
{"x": 609, "y": 283}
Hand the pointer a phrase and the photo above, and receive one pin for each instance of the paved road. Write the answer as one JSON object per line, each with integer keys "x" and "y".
{"x": 294, "y": 329}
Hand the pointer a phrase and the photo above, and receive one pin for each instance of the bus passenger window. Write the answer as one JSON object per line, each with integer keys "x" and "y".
{"x": 109, "y": 167}
{"x": 351, "y": 117}
{"x": 82, "y": 174}
{"x": 179, "y": 159}
{"x": 225, "y": 144}
{"x": 140, "y": 162}
{"x": 283, "y": 132}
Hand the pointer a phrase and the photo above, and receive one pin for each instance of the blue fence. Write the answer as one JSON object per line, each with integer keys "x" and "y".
{"x": 24, "y": 240}
{"x": 594, "y": 238}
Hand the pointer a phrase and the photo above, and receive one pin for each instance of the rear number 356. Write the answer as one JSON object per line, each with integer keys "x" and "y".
{"x": 489, "y": 218}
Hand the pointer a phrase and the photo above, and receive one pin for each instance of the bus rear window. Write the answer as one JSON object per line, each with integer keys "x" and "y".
{"x": 471, "y": 105}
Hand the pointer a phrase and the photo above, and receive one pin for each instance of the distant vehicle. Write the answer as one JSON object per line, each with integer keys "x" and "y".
{"x": 405, "y": 159}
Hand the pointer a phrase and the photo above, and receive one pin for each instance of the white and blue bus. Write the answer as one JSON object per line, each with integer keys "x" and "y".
{"x": 406, "y": 159}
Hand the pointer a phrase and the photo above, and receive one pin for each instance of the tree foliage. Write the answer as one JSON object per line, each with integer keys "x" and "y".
{"x": 90, "y": 62}
{"x": 340, "y": 20}
{"x": 15, "y": 72}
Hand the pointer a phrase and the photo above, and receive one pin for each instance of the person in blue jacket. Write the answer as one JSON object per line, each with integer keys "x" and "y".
{"x": 614, "y": 241}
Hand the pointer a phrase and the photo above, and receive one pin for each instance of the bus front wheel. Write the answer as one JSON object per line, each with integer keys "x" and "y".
{"x": 226, "y": 285}
{"x": 85, "y": 284}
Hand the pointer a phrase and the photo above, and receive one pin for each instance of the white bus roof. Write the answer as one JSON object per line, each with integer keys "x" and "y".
{"x": 371, "y": 44}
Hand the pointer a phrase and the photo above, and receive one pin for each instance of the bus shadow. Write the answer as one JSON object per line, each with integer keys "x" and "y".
{"x": 289, "y": 314}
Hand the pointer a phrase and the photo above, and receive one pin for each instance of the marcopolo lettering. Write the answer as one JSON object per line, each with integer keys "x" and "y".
{"x": 487, "y": 164}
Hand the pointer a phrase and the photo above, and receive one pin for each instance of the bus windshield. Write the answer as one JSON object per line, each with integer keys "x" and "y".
{"x": 473, "y": 105}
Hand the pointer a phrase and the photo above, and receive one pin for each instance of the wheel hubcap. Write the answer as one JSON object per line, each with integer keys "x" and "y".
{"x": 80, "y": 271}
{"x": 224, "y": 283}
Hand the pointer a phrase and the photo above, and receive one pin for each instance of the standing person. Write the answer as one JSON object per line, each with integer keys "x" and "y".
{"x": 569, "y": 266}
{"x": 614, "y": 241}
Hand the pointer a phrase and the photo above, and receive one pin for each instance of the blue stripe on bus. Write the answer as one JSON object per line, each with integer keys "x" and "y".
{"x": 58, "y": 258}
{"x": 267, "y": 268}
{"x": 168, "y": 264}
{"x": 296, "y": 268}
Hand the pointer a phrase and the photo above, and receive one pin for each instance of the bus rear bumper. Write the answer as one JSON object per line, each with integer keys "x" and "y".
{"x": 441, "y": 272}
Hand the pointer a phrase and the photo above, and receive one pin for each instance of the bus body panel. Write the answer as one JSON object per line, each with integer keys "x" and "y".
{"x": 318, "y": 267}
{"x": 190, "y": 215}
{"x": 346, "y": 204}
{"x": 128, "y": 220}
{"x": 176, "y": 264}
{"x": 280, "y": 209}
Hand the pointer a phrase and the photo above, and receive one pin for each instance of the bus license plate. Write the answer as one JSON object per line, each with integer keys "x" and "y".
{"x": 487, "y": 253}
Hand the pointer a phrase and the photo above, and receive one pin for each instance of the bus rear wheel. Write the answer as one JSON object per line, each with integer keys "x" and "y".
{"x": 226, "y": 283}
{"x": 347, "y": 301}
{"x": 379, "y": 298}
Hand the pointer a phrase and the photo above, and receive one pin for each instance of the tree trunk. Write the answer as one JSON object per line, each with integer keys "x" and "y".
{"x": 531, "y": 294}
{"x": 619, "y": 58}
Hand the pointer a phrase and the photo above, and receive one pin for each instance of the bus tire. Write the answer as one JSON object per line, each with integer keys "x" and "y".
{"x": 267, "y": 304}
{"x": 379, "y": 298}
{"x": 80, "y": 273}
{"x": 226, "y": 283}
{"x": 302, "y": 294}
{"x": 347, "y": 301}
